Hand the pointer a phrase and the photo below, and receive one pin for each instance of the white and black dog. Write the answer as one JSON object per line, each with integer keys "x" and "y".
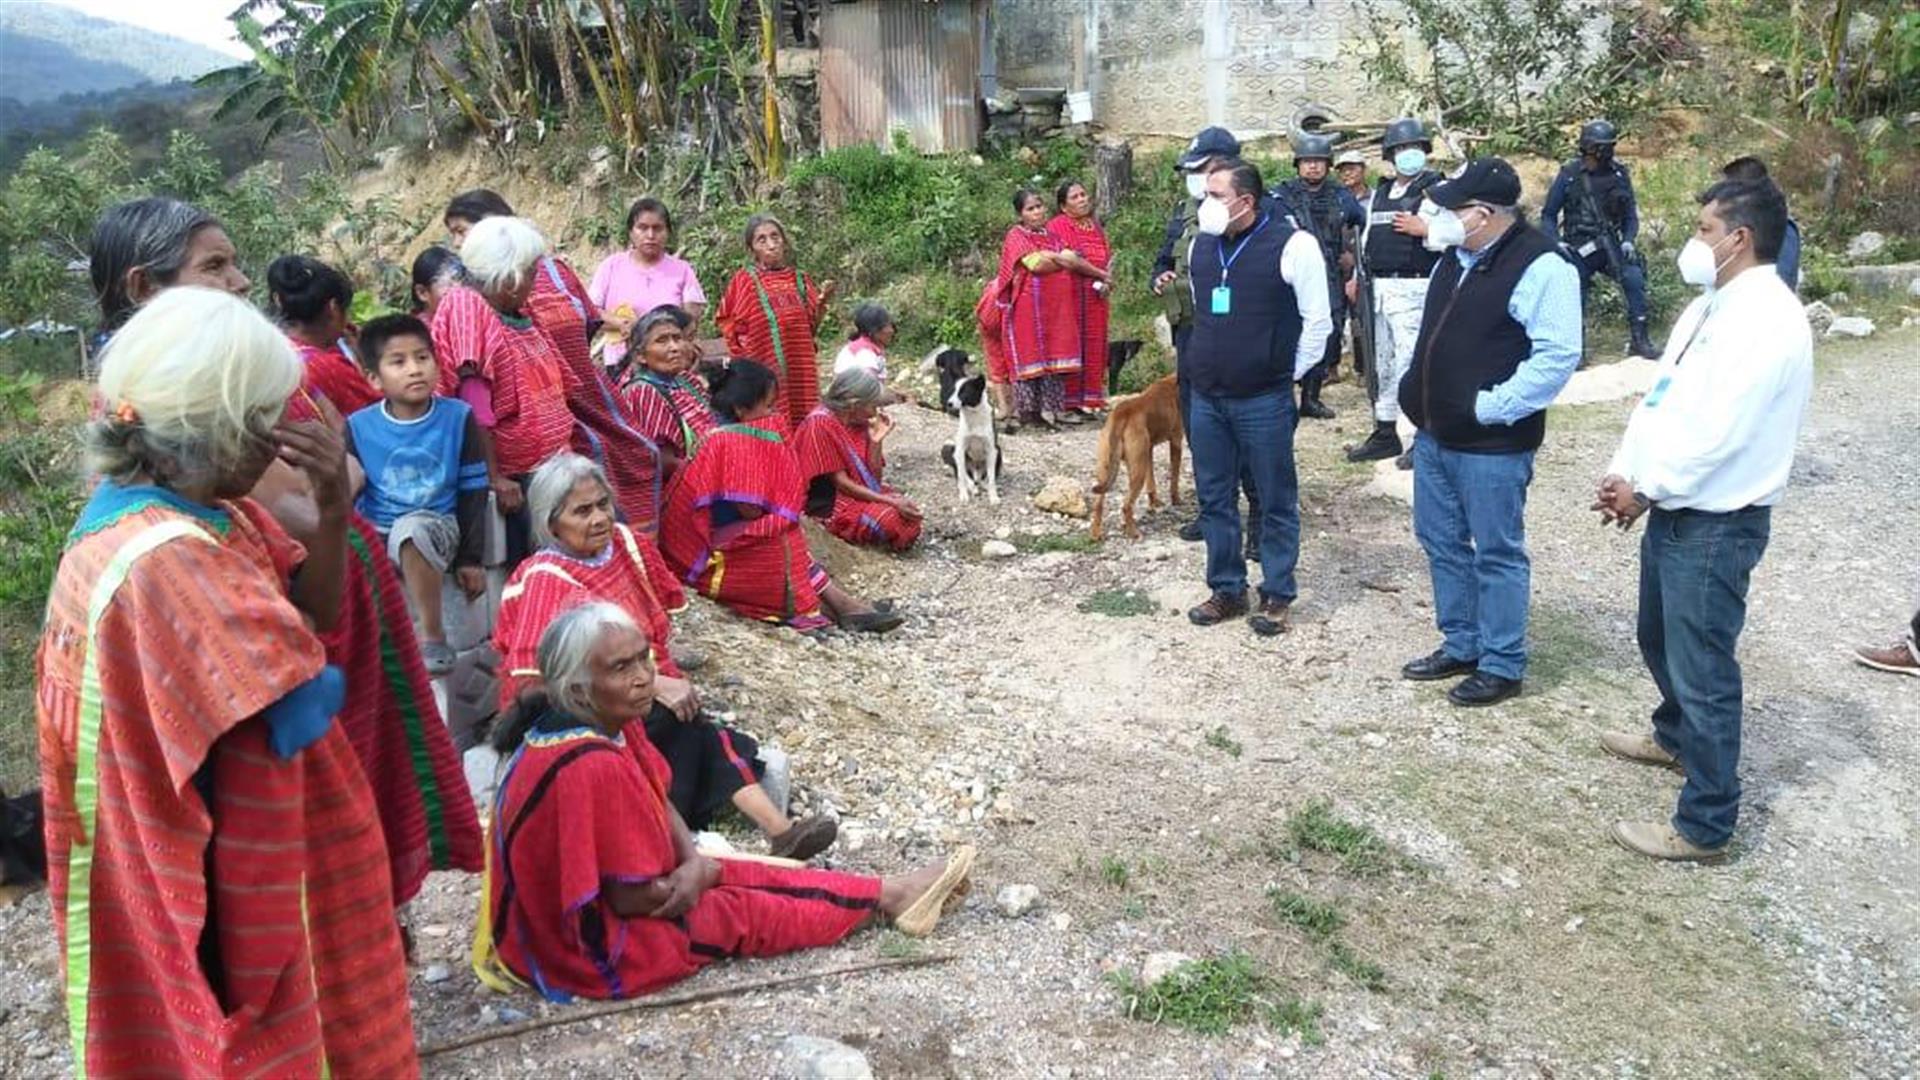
{"x": 976, "y": 465}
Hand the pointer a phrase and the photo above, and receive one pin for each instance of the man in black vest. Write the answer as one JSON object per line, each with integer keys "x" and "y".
{"x": 1500, "y": 336}
{"x": 1259, "y": 289}
{"x": 1324, "y": 208}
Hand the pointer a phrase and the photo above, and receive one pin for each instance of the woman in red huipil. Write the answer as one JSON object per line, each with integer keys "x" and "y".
{"x": 312, "y": 300}
{"x": 771, "y": 312}
{"x": 840, "y": 451}
{"x": 1077, "y": 230}
{"x": 1039, "y": 330}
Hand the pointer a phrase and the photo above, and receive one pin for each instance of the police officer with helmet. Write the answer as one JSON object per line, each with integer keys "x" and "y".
{"x": 1169, "y": 281}
{"x": 1321, "y": 206}
{"x": 1591, "y": 209}
{"x": 1397, "y": 264}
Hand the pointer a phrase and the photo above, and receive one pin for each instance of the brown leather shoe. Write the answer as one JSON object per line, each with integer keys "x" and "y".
{"x": 1900, "y": 658}
{"x": 1644, "y": 749}
{"x": 1659, "y": 840}
{"x": 1217, "y": 609}
{"x": 805, "y": 838}
{"x": 1273, "y": 619}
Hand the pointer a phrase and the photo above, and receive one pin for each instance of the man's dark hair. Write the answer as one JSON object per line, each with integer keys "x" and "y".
{"x": 1246, "y": 175}
{"x": 1749, "y": 169}
{"x": 1757, "y": 206}
{"x": 380, "y": 332}
{"x": 476, "y": 206}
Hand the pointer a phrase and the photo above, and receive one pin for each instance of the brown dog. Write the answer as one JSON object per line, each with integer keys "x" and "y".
{"x": 1135, "y": 426}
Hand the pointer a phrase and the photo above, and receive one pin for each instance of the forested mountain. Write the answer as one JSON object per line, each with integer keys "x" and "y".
{"x": 47, "y": 51}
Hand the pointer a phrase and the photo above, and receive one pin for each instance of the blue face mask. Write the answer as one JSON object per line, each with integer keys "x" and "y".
{"x": 1409, "y": 160}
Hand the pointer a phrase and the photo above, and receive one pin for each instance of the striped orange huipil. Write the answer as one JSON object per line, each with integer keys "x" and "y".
{"x": 223, "y": 911}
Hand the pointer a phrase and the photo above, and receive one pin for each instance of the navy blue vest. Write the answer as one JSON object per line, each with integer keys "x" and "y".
{"x": 1250, "y": 350}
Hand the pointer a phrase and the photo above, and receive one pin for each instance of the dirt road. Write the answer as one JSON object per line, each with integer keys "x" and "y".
{"x": 1143, "y": 773}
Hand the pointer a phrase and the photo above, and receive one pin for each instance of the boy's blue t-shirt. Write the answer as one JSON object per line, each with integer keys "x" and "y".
{"x": 414, "y": 464}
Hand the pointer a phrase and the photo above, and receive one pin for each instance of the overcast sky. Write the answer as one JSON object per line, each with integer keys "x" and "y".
{"x": 202, "y": 21}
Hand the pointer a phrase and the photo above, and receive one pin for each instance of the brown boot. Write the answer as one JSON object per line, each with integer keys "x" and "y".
{"x": 1659, "y": 840}
{"x": 805, "y": 838}
{"x": 1644, "y": 749}
{"x": 1899, "y": 658}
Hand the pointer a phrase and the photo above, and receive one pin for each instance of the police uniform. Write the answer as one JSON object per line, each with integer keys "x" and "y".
{"x": 1325, "y": 210}
{"x": 1592, "y": 210}
{"x": 1398, "y": 265}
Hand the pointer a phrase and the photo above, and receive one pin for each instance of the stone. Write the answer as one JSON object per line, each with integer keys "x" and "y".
{"x": 436, "y": 973}
{"x": 1854, "y": 326}
{"x": 1061, "y": 495}
{"x": 1373, "y": 740}
{"x": 1014, "y": 901}
{"x": 1865, "y": 246}
{"x": 777, "y": 780}
{"x": 808, "y": 1057}
{"x": 998, "y": 549}
{"x": 1882, "y": 279}
{"x": 1162, "y": 964}
{"x": 482, "y": 766}
{"x": 1819, "y": 317}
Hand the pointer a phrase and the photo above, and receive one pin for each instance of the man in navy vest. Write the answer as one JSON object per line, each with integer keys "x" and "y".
{"x": 1259, "y": 290}
{"x": 1500, "y": 336}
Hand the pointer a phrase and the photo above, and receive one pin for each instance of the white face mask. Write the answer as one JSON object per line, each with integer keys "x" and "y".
{"x": 1197, "y": 185}
{"x": 1214, "y": 217}
{"x": 1700, "y": 263}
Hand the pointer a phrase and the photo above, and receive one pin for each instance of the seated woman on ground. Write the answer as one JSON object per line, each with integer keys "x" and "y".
{"x": 840, "y": 447}
{"x": 585, "y": 555}
{"x": 732, "y": 524}
{"x": 595, "y": 888}
{"x": 667, "y": 403}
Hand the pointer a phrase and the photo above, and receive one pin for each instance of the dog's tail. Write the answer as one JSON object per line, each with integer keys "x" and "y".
{"x": 1106, "y": 462}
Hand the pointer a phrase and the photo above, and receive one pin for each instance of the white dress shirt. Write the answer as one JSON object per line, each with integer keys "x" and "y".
{"x": 1305, "y": 268}
{"x": 1717, "y": 431}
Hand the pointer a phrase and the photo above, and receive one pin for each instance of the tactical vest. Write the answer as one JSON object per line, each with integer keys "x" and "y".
{"x": 1318, "y": 212}
{"x": 1178, "y": 297}
{"x": 1578, "y": 221}
{"x": 1394, "y": 254}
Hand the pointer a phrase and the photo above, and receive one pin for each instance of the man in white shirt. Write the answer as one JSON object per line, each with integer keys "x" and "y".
{"x": 1261, "y": 320}
{"x": 1708, "y": 452}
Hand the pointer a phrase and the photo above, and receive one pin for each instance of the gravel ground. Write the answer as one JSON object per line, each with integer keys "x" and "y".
{"x": 1511, "y": 937}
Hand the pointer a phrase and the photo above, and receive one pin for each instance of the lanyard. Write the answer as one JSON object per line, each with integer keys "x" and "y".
{"x": 1226, "y": 261}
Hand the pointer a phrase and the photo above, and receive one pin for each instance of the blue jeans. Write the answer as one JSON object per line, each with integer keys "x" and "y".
{"x": 1470, "y": 516}
{"x": 1694, "y": 569}
{"x": 1253, "y": 435}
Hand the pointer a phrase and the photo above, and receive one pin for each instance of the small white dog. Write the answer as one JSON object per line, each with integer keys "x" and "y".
{"x": 977, "y": 463}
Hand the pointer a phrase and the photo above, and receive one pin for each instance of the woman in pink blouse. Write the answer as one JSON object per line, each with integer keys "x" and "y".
{"x": 633, "y": 282}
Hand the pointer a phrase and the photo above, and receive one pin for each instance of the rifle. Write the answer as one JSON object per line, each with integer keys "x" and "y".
{"x": 1609, "y": 237}
{"x": 1362, "y": 318}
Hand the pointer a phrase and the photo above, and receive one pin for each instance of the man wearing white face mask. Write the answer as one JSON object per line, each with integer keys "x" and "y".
{"x": 1498, "y": 339}
{"x": 1397, "y": 265}
{"x": 1260, "y": 322}
{"x": 1705, "y": 456}
{"x": 1169, "y": 282}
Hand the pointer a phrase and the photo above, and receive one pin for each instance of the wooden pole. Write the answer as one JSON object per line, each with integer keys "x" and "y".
{"x": 1113, "y": 171}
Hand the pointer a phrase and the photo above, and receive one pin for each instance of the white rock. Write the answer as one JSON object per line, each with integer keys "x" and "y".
{"x": 436, "y": 973}
{"x": 807, "y": 1057}
{"x": 1574, "y": 924}
{"x": 1865, "y": 246}
{"x": 1014, "y": 901}
{"x": 1062, "y": 920}
{"x": 1819, "y": 317}
{"x": 1855, "y": 326}
{"x": 1374, "y": 740}
{"x": 1061, "y": 495}
{"x": 1004, "y": 532}
{"x": 998, "y": 549}
{"x": 1162, "y": 964}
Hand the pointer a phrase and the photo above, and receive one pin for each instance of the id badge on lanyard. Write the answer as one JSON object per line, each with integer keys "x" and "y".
{"x": 1222, "y": 299}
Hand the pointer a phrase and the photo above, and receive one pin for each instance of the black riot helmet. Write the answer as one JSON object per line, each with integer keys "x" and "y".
{"x": 1597, "y": 138}
{"x": 1403, "y": 132}
{"x": 1309, "y": 146}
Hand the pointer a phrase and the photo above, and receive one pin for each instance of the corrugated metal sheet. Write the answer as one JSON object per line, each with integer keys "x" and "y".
{"x": 907, "y": 64}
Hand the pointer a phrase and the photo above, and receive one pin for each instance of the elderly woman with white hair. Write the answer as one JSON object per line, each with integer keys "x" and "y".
{"x": 596, "y": 889}
{"x": 496, "y": 360}
{"x": 218, "y": 875}
{"x": 841, "y": 449}
{"x": 585, "y": 555}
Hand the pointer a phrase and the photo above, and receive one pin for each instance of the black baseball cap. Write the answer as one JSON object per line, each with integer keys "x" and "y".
{"x": 1210, "y": 143}
{"x": 1484, "y": 180}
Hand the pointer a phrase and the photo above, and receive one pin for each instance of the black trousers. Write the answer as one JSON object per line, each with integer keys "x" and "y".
{"x": 710, "y": 763}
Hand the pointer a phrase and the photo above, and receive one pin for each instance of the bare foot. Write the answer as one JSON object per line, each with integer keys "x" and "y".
{"x": 898, "y": 894}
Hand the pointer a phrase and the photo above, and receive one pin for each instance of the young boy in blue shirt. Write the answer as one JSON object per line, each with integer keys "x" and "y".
{"x": 426, "y": 487}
